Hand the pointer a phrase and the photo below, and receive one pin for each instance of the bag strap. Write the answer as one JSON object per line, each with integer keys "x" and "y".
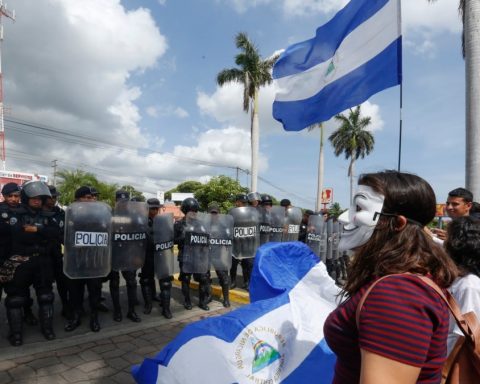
{"x": 462, "y": 323}
{"x": 365, "y": 295}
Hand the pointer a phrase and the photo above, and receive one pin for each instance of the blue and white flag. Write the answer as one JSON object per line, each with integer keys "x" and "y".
{"x": 277, "y": 338}
{"x": 355, "y": 55}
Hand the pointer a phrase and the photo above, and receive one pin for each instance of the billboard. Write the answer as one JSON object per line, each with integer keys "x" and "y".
{"x": 19, "y": 178}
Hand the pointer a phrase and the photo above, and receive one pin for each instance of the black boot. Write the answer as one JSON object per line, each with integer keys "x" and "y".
{"x": 94, "y": 323}
{"x": 165, "y": 295}
{"x": 14, "y": 316}
{"x": 203, "y": 296}
{"x": 154, "y": 291}
{"x": 74, "y": 322}
{"x": 147, "y": 296}
{"x": 28, "y": 316}
{"x": 131, "y": 296}
{"x": 225, "y": 292}
{"x": 117, "y": 310}
{"x": 233, "y": 278}
{"x": 186, "y": 294}
{"x": 45, "y": 315}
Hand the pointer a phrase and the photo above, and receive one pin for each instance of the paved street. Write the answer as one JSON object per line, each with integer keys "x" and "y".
{"x": 104, "y": 357}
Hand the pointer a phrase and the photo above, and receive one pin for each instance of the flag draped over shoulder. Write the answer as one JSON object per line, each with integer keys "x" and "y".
{"x": 353, "y": 56}
{"x": 277, "y": 338}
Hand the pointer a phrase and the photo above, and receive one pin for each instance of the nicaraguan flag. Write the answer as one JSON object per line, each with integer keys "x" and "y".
{"x": 355, "y": 55}
{"x": 277, "y": 338}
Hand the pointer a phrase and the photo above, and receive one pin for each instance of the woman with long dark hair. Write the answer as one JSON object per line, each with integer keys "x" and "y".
{"x": 403, "y": 323}
{"x": 463, "y": 246}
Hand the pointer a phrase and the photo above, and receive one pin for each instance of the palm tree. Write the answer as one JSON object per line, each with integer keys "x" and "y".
{"x": 318, "y": 201}
{"x": 352, "y": 139}
{"x": 470, "y": 13}
{"x": 253, "y": 72}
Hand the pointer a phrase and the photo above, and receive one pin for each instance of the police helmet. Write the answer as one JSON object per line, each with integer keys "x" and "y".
{"x": 153, "y": 203}
{"x": 242, "y": 197}
{"x": 122, "y": 195}
{"x": 254, "y": 196}
{"x": 190, "y": 204}
{"x": 34, "y": 189}
{"x": 53, "y": 191}
{"x": 266, "y": 199}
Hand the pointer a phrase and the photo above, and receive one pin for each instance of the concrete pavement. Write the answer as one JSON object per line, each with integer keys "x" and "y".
{"x": 83, "y": 356}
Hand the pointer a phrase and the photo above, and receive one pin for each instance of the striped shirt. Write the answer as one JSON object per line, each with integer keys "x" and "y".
{"x": 402, "y": 319}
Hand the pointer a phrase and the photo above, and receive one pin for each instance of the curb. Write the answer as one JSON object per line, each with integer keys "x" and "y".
{"x": 236, "y": 296}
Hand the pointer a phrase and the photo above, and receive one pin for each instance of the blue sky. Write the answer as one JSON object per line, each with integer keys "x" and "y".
{"x": 126, "y": 90}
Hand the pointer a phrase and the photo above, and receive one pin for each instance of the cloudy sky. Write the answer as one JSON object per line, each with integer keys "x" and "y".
{"x": 126, "y": 90}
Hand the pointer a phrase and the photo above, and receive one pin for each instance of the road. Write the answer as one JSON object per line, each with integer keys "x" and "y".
{"x": 83, "y": 356}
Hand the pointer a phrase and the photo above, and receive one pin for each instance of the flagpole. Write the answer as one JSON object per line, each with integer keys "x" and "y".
{"x": 400, "y": 133}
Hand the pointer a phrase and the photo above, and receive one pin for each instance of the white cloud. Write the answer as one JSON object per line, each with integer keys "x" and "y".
{"x": 168, "y": 110}
{"x": 69, "y": 66}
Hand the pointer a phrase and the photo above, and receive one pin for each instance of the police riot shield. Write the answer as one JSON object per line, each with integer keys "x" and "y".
{"x": 330, "y": 236}
{"x": 293, "y": 218}
{"x": 196, "y": 248}
{"x": 129, "y": 235}
{"x": 164, "y": 259}
{"x": 277, "y": 223}
{"x": 246, "y": 234}
{"x": 88, "y": 228}
{"x": 221, "y": 241}
{"x": 265, "y": 224}
{"x": 336, "y": 231}
{"x": 316, "y": 236}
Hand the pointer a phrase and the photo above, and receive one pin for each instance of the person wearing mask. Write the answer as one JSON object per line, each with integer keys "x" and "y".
{"x": 398, "y": 334}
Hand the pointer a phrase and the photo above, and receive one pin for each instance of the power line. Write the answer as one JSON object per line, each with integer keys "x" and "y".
{"x": 22, "y": 127}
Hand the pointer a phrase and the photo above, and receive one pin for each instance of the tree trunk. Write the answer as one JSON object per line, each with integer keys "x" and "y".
{"x": 320, "y": 172}
{"x": 472, "y": 83}
{"x": 351, "y": 169}
{"x": 255, "y": 137}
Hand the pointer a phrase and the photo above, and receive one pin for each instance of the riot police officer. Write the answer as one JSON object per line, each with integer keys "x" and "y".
{"x": 190, "y": 205}
{"x": 60, "y": 278}
{"x": 77, "y": 286}
{"x": 11, "y": 197}
{"x": 147, "y": 276}
{"x": 32, "y": 233}
{"x": 254, "y": 199}
{"x": 130, "y": 279}
{"x": 302, "y": 236}
{"x": 222, "y": 272}
{"x": 241, "y": 200}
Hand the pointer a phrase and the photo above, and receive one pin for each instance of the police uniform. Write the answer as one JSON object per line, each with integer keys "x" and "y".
{"x": 32, "y": 233}
{"x": 147, "y": 275}
{"x": 223, "y": 275}
{"x": 76, "y": 287}
{"x": 130, "y": 279}
{"x": 190, "y": 205}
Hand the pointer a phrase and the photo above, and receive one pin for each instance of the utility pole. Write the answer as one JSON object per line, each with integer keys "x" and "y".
{"x": 10, "y": 15}
{"x": 54, "y": 166}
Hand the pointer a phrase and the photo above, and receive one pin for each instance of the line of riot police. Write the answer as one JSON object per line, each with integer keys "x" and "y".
{"x": 100, "y": 244}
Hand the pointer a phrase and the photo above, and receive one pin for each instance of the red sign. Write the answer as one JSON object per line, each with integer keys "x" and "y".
{"x": 19, "y": 178}
{"x": 327, "y": 195}
{"x": 440, "y": 210}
